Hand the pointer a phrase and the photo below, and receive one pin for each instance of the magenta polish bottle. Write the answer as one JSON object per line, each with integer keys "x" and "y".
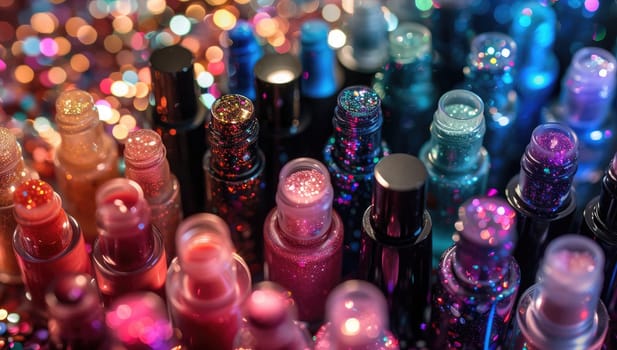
{"x": 356, "y": 319}
{"x": 303, "y": 237}
{"x": 477, "y": 279}
{"x": 563, "y": 309}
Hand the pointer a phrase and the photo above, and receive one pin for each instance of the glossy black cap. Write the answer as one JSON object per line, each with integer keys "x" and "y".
{"x": 607, "y": 204}
{"x": 173, "y": 85}
{"x": 399, "y": 196}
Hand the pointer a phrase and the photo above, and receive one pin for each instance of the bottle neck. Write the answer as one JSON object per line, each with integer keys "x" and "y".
{"x": 87, "y": 146}
{"x": 357, "y": 143}
{"x": 234, "y": 149}
{"x": 11, "y": 177}
{"x": 496, "y": 88}
{"x": 157, "y": 181}
{"x": 607, "y": 203}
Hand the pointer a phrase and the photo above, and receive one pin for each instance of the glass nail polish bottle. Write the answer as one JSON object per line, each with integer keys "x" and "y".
{"x": 303, "y": 237}
{"x": 234, "y": 170}
{"x": 405, "y": 86}
{"x": 533, "y": 28}
{"x": 139, "y": 321}
{"x": 76, "y": 314}
{"x": 356, "y": 318}
{"x": 147, "y": 165}
{"x": 366, "y": 49}
{"x": 456, "y": 161}
{"x": 600, "y": 224}
{"x": 180, "y": 118}
{"x": 395, "y": 253}
{"x": 244, "y": 52}
{"x": 542, "y": 194}
{"x": 129, "y": 253}
{"x": 477, "y": 283}
{"x": 207, "y": 283}
{"x": 563, "y": 309}
{"x": 48, "y": 242}
{"x": 270, "y": 322}
{"x": 490, "y": 74}
{"x": 12, "y": 173}
{"x": 585, "y": 104}
{"x": 86, "y": 157}
{"x": 351, "y": 155}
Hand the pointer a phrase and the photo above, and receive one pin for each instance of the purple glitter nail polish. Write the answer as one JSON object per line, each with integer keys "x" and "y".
{"x": 477, "y": 281}
{"x": 542, "y": 194}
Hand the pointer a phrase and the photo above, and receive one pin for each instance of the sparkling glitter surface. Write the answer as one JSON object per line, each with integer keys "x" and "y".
{"x": 492, "y": 52}
{"x": 548, "y": 167}
{"x": 477, "y": 285}
{"x": 358, "y": 108}
{"x": 143, "y": 148}
{"x": 33, "y": 194}
{"x": 304, "y": 186}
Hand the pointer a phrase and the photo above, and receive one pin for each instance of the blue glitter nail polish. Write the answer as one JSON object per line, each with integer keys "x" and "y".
{"x": 477, "y": 283}
{"x": 457, "y": 163}
{"x": 351, "y": 155}
{"x": 542, "y": 194}
{"x": 533, "y": 28}
{"x": 490, "y": 74}
{"x": 319, "y": 76}
{"x": 586, "y": 105}
{"x": 244, "y": 52}
{"x": 406, "y": 88}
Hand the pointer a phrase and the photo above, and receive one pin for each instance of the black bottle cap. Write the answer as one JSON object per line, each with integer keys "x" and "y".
{"x": 173, "y": 85}
{"x": 399, "y": 196}
{"x": 607, "y": 204}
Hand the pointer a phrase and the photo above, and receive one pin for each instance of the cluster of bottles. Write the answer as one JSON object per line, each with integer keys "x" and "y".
{"x": 373, "y": 216}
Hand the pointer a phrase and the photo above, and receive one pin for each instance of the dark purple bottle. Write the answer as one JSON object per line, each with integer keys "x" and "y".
{"x": 395, "y": 252}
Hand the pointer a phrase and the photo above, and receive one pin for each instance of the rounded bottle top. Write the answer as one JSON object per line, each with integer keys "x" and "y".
{"x": 554, "y": 146}
{"x": 242, "y": 38}
{"x": 591, "y": 68}
{"x": 143, "y": 149}
{"x": 569, "y": 279}
{"x": 232, "y": 114}
{"x": 278, "y": 69}
{"x": 314, "y": 34}
{"x": 399, "y": 196}
{"x": 73, "y": 293}
{"x": 304, "y": 199}
{"x": 139, "y": 320}
{"x": 358, "y": 110}
{"x": 410, "y": 41}
{"x": 36, "y": 202}
{"x": 204, "y": 246}
{"x": 493, "y": 52}
{"x": 269, "y": 306}
{"x": 181, "y": 63}
{"x": 75, "y": 111}
{"x": 535, "y": 23}
{"x": 358, "y": 313}
{"x": 121, "y": 205}
{"x": 460, "y": 113}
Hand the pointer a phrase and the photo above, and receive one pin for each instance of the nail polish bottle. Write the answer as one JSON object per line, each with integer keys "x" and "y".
{"x": 476, "y": 288}
{"x": 456, "y": 161}
{"x": 351, "y": 155}
{"x": 144, "y": 157}
{"x": 321, "y": 80}
{"x": 283, "y": 125}
{"x": 533, "y": 28}
{"x": 244, "y": 52}
{"x": 86, "y": 157}
{"x": 405, "y": 86}
{"x": 542, "y": 194}
{"x": 48, "y": 242}
{"x": 395, "y": 252}
{"x": 207, "y": 284}
{"x": 13, "y": 172}
{"x": 139, "y": 321}
{"x": 450, "y": 26}
{"x": 563, "y": 309}
{"x": 234, "y": 170}
{"x": 129, "y": 254}
{"x": 356, "y": 318}
{"x": 76, "y": 315}
{"x": 303, "y": 237}
{"x": 179, "y": 117}
{"x": 585, "y": 104}
{"x": 366, "y": 49}
{"x": 270, "y": 321}
{"x": 600, "y": 224}
{"x": 490, "y": 74}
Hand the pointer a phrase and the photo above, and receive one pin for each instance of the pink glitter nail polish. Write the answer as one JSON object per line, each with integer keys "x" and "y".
{"x": 303, "y": 237}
